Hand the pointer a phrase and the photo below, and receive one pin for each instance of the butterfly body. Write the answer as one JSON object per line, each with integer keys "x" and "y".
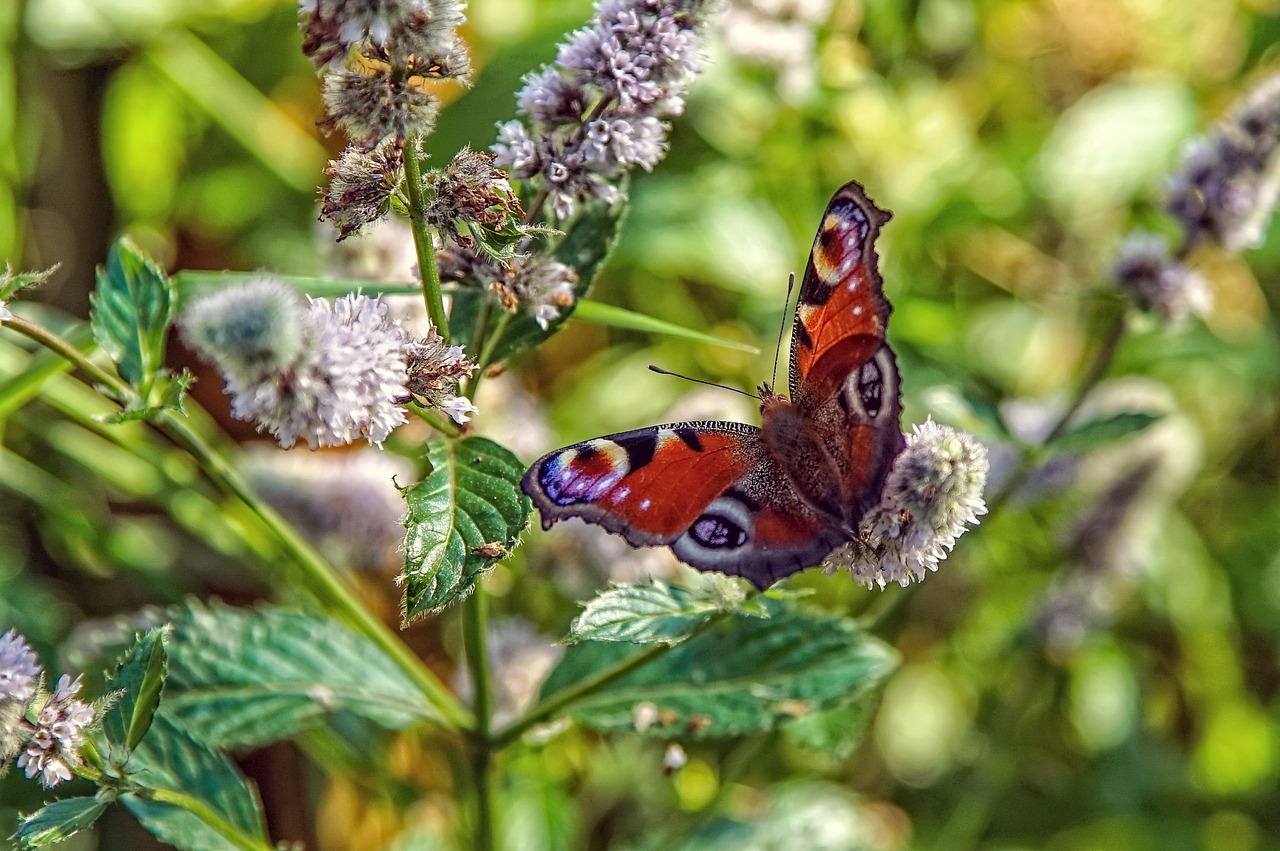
{"x": 764, "y": 502}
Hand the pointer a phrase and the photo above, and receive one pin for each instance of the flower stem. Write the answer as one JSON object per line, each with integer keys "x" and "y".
{"x": 474, "y": 637}
{"x": 322, "y": 579}
{"x": 1097, "y": 369}
{"x": 423, "y": 241}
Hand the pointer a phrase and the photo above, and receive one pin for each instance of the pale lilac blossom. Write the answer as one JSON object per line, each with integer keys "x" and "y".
{"x": 932, "y": 494}
{"x": 52, "y": 753}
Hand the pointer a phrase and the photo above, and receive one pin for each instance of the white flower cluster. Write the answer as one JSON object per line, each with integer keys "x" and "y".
{"x": 933, "y": 492}
{"x": 326, "y": 373}
{"x": 44, "y": 730}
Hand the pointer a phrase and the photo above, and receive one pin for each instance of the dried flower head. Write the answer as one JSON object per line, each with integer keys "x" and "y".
{"x": 403, "y": 29}
{"x": 597, "y": 111}
{"x": 53, "y": 752}
{"x": 434, "y": 372}
{"x": 377, "y": 106}
{"x": 472, "y": 204}
{"x": 1158, "y": 283}
{"x": 1229, "y": 180}
{"x": 344, "y": 376}
{"x": 534, "y": 283}
{"x": 361, "y": 184}
{"x": 933, "y": 491}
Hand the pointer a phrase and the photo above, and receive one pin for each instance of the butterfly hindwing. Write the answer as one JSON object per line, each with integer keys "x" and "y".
{"x": 707, "y": 489}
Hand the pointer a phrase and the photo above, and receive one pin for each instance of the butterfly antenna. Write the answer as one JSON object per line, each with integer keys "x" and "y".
{"x": 782, "y": 326}
{"x": 662, "y": 371}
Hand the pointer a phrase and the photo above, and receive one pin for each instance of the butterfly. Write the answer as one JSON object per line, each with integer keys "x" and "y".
{"x": 762, "y": 502}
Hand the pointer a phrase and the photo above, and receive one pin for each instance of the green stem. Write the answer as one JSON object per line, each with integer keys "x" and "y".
{"x": 1097, "y": 369}
{"x": 433, "y": 418}
{"x": 423, "y": 241}
{"x": 569, "y": 696}
{"x": 477, "y": 344}
{"x": 235, "y": 837}
{"x": 322, "y": 579}
{"x": 474, "y": 637}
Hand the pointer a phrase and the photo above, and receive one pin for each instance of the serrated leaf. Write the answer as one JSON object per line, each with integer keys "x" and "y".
{"x": 171, "y": 390}
{"x": 585, "y": 247}
{"x": 248, "y": 677}
{"x": 170, "y": 758}
{"x": 470, "y": 498}
{"x": 132, "y": 308}
{"x": 643, "y": 614}
{"x": 139, "y": 680}
{"x": 1092, "y": 434}
{"x": 741, "y": 675}
{"x": 57, "y": 821}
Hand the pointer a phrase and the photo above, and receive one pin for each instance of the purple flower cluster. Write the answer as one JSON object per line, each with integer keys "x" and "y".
{"x": 1227, "y": 186}
{"x": 598, "y": 111}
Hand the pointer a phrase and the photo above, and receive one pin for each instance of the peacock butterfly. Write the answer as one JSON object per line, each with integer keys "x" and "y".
{"x": 762, "y": 503}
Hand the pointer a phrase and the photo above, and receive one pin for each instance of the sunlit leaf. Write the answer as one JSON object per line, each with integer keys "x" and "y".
{"x": 741, "y": 675}
{"x": 462, "y": 517}
{"x": 642, "y": 614}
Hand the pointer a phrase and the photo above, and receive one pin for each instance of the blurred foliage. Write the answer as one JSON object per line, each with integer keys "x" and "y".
{"x": 1016, "y": 141}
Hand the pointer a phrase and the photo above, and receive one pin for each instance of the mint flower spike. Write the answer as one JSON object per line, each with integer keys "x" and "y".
{"x": 1157, "y": 282}
{"x": 19, "y": 668}
{"x": 326, "y": 373}
{"x": 597, "y": 112}
{"x": 1227, "y": 186}
{"x": 53, "y": 751}
{"x": 933, "y": 492}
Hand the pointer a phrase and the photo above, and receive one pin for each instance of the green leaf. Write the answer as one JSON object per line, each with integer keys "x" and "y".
{"x": 58, "y": 821}
{"x": 11, "y": 282}
{"x": 834, "y": 732}
{"x": 132, "y": 308}
{"x": 172, "y": 390}
{"x": 643, "y": 614}
{"x": 139, "y": 681}
{"x": 585, "y": 247}
{"x": 618, "y": 317}
{"x": 170, "y": 758}
{"x": 742, "y": 675}
{"x": 471, "y": 498}
{"x": 1092, "y": 434}
{"x": 248, "y": 677}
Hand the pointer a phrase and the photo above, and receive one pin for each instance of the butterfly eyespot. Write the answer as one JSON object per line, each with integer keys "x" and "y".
{"x": 717, "y": 532}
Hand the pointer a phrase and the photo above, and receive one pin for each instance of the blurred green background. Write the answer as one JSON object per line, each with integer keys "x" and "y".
{"x": 1086, "y": 672}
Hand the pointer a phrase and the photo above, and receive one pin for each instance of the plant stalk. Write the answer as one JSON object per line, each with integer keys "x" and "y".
{"x": 475, "y": 637}
{"x": 423, "y": 242}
